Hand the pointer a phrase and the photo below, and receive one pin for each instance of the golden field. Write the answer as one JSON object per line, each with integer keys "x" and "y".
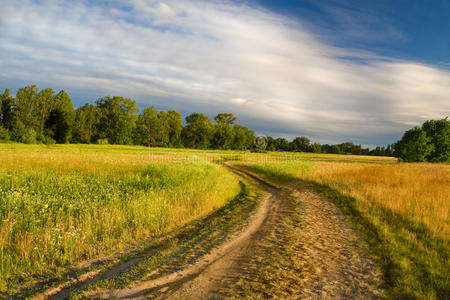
{"x": 401, "y": 209}
{"x": 64, "y": 204}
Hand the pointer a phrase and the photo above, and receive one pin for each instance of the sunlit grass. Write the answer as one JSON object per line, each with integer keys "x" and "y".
{"x": 402, "y": 210}
{"x": 63, "y": 204}
{"x": 67, "y": 205}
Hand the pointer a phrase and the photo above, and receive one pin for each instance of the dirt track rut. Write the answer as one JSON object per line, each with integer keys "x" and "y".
{"x": 326, "y": 259}
{"x": 330, "y": 260}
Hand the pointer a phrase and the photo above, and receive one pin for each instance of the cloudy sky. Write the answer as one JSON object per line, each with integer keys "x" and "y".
{"x": 360, "y": 71}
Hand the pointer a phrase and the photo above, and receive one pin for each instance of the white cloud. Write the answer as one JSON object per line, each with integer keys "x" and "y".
{"x": 239, "y": 101}
{"x": 165, "y": 9}
{"x": 263, "y": 67}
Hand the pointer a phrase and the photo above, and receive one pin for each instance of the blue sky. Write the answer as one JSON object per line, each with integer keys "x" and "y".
{"x": 404, "y": 29}
{"x": 359, "y": 71}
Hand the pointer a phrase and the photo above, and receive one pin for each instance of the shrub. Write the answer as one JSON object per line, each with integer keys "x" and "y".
{"x": 102, "y": 141}
{"x": 47, "y": 140}
{"x": 4, "y": 134}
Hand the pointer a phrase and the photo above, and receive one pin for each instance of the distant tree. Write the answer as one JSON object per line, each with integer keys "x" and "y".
{"x": 243, "y": 137}
{"x": 25, "y": 107}
{"x": 198, "y": 131}
{"x": 301, "y": 144}
{"x": 174, "y": 126}
{"x": 225, "y": 118}
{"x": 85, "y": 120}
{"x": 281, "y": 144}
{"x": 335, "y": 149}
{"x": 414, "y": 146}
{"x": 438, "y": 131}
{"x": 117, "y": 119}
{"x": 390, "y": 150}
{"x": 316, "y": 148}
{"x": 223, "y": 134}
{"x": 42, "y": 107}
{"x": 270, "y": 144}
{"x": 7, "y": 110}
{"x": 163, "y": 132}
{"x": 378, "y": 151}
{"x": 57, "y": 126}
{"x": 149, "y": 128}
{"x": 350, "y": 148}
{"x": 62, "y": 105}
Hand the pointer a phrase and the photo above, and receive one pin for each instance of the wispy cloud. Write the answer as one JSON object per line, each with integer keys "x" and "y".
{"x": 269, "y": 70}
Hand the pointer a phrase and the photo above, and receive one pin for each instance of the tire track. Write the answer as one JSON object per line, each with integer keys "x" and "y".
{"x": 326, "y": 257}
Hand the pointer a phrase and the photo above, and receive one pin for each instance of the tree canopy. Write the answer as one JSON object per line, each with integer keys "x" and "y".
{"x": 431, "y": 142}
{"x": 35, "y": 115}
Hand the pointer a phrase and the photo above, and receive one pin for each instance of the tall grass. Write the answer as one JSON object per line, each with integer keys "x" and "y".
{"x": 58, "y": 208}
{"x": 403, "y": 211}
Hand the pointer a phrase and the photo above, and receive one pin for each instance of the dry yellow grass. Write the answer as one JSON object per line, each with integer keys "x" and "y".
{"x": 420, "y": 192}
{"x": 402, "y": 210}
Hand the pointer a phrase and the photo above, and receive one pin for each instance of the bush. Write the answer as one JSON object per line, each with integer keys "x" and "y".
{"x": 103, "y": 142}
{"x": 29, "y": 136}
{"x": 47, "y": 140}
{"x": 4, "y": 134}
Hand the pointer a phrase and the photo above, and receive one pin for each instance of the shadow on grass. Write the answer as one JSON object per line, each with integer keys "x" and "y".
{"x": 415, "y": 262}
{"x": 154, "y": 252}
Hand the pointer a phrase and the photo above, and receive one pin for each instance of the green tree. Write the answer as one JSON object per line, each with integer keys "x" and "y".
{"x": 7, "y": 110}
{"x": 57, "y": 126}
{"x": 270, "y": 144}
{"x": 25, "y": 106}
{"x": 174, "y": 126}
{"x": 281, "y": 144}
{"x": 117, "y": 119}
{"x": 243, "y": 137}
{"x": 439, "y": 133}
{"x": 301, "y": 144}
{"x": 63, "y": 108}
{"x": 149, "y": 129}
{"x": 42, "y": 107}
{"x": 198, "y": 131}
{"x": 164, "y": 130}
{"x": 336, "y": 149}
{"x": 223, "y": 134}
{"x": 316, "y": 148}
{"x": 414, "y": 146}
{"x": 85, "y": 121}
{"x": 225, "y": 118}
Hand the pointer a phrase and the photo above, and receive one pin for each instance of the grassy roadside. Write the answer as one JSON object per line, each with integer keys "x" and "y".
{"x": 59, "y": 208}
{"x": 413, "y": 253}
{"x": 183, "y": 246}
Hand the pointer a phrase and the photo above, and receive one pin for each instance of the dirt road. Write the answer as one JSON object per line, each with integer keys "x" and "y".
{"x": 294, "y": 245}
{"x": 329, "y": 260}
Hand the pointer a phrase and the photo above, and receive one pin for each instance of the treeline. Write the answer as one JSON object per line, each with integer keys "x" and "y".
{"x": 430, "y": 143}
{"x": 303, "y": 144}
{"x": 44, "y": 116}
